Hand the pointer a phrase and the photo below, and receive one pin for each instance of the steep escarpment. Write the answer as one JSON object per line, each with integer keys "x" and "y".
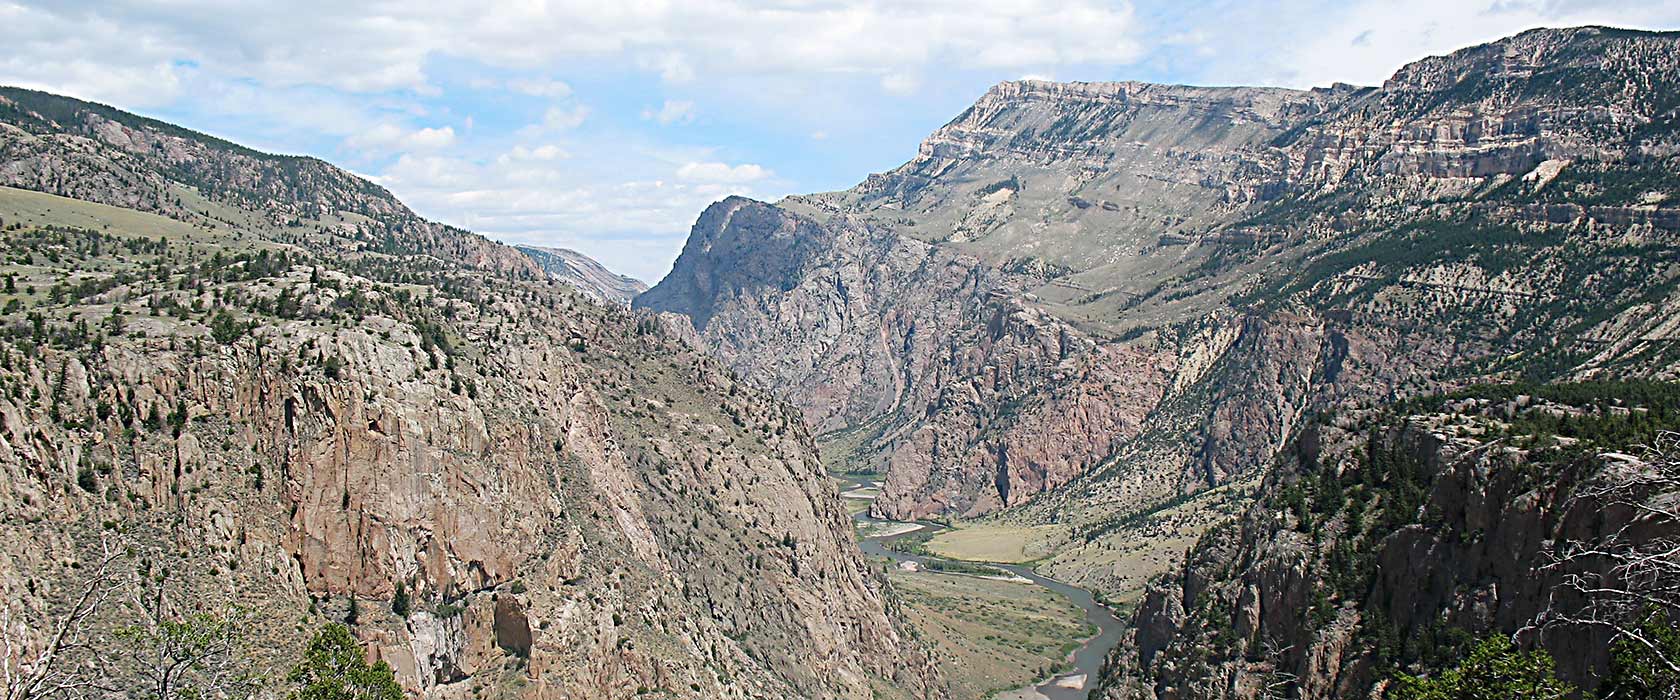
{"x": 507, "y": 489}
{"x": 1083, "y": 175}
{"x": 1389, "y": 540}
{"x": 906, "y": 353}
{"x": 1202, "y": 267}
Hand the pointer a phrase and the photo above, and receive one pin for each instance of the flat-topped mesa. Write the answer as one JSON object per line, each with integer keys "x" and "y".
{"x": 1088, "y": 122}
{"x": 1500, "y": 107}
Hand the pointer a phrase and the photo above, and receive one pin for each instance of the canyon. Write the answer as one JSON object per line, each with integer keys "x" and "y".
{"x": 1105, "y": 313}
{"x": 1080, "y": 301}
{"x": 1289, "y": 393}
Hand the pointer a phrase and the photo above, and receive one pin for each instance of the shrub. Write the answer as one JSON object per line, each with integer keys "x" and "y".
{"x": 400, "y": 602}
{"x": 1495, "y": 670}
{"x": 225, "y": 328}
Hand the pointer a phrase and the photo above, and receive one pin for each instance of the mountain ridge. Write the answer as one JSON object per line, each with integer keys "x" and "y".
{"x": 297, "y": 395}
{"x": 585, "y": 273}
{"x": 1164, "y": 289}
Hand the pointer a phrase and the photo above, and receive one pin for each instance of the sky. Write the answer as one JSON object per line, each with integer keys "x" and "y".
{"x": 607, "y": 126}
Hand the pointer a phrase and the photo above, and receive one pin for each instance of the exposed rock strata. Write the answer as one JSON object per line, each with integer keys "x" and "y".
{"x": 1030, "y": 297}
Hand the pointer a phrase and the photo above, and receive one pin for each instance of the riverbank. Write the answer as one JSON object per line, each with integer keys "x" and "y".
{"x": 1079, "y": 666}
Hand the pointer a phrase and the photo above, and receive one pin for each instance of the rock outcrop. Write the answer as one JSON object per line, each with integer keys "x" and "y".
{"x": 910, "y": 352}
{"x": 1390, "y": 541}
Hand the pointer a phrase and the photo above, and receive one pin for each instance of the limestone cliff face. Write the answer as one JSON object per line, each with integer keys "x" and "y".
{"x": 1116, "y": 165}
{"x": 1442, "y": 125}
{"x": 1139, "y": 289}
{"x": 307, "y": 417}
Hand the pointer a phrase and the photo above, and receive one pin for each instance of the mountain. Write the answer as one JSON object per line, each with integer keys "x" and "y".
{"x": 585, "y": 274}
{"x": 1081, "y": 305}
{"x": 257, "y": 393}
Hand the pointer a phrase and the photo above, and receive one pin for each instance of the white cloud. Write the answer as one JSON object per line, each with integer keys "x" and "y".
{"x": 94, "y": 61}
{"x": 671, "y": 112}
{"x": 722, "y": 173}
{"x": 672, "y": 67}
{"x": 635, "y": 225}
{"x": 385, "y": 46}
{"x": 390, "y": 137}
{"x": 544, "y": 152}
{"x": 900, "y": 84}
{"x": 429, "y": 138}
{"x": 565, "y": 117}
{"x": 552, "y": 89}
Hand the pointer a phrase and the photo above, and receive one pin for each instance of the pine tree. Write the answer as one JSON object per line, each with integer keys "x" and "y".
{"x": 399, "y": 601}
{"x": 334, "y": 667}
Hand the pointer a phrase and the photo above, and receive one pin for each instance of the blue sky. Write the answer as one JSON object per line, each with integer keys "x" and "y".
{"x": 607, "y": 127}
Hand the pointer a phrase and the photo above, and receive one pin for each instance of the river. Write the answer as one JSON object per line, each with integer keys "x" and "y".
{"x": 1073, "y": 684}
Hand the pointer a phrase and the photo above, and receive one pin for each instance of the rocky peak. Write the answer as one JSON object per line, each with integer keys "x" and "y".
{"x": 737, "y": 244}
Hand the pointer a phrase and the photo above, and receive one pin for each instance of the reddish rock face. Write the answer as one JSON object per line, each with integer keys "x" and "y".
{"x": 1142, "y": 288}
{"x": 967, "y": 398}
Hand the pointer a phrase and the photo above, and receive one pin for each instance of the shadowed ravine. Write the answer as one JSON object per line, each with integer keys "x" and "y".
{"x": 1072, "y": 684}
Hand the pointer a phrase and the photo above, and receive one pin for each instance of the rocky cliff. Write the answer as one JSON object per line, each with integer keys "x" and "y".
{"x": 585, "y": 274}
{"x": 907, "y": 350}
{"x": 275, "y": 388}
{"x": 1388, "y": 540}
{"x": 1137, "y": 291}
